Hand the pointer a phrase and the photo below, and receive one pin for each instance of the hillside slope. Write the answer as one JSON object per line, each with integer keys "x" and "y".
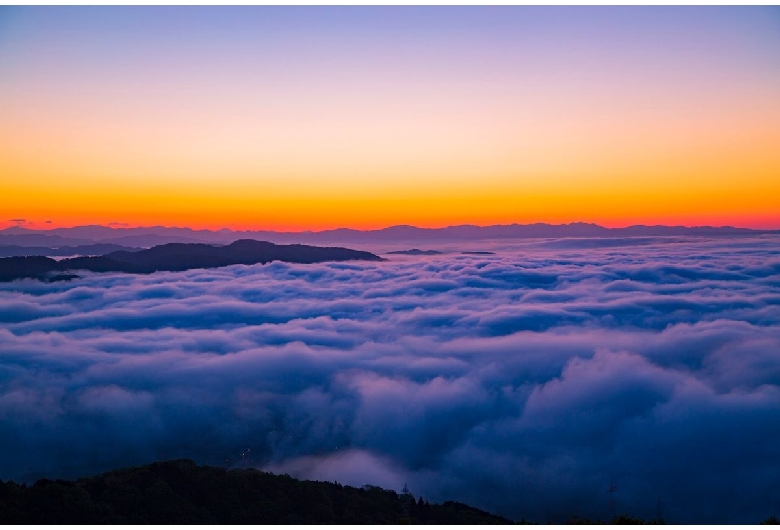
{"x": 181, "y": 492}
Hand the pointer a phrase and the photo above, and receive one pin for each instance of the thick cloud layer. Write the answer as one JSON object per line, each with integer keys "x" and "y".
{"x": 521, "y": 382}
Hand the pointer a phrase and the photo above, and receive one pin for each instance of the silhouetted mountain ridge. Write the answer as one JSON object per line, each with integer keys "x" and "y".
{"x": 156, "y": 235}
{"x": 176, "y": 257}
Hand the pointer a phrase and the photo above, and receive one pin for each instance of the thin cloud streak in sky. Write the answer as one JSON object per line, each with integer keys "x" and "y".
{"x": 521, "y": 382}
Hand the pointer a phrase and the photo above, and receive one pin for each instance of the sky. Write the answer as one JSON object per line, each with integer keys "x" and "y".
{"x": 523, "y": 382}
{"x": 308, "y": 118}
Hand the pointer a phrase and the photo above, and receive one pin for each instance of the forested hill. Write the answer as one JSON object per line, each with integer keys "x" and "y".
{"x": 175, "y": 257}
{"x": 180, "y": 492}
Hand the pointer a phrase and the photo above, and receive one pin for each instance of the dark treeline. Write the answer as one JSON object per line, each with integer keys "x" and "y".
{"x": 181, "y": 492}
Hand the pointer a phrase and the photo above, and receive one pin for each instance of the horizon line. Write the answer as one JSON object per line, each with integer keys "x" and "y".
{"x": 126, "y": 226}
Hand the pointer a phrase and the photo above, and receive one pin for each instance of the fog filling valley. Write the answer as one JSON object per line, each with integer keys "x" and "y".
{"x": 523, "y": 382}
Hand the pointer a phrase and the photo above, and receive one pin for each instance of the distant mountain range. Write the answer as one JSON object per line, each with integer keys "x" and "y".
{"x": 158, "y": 235}
{"x": 95, "y": 249}
{"x": 174, "y": 257}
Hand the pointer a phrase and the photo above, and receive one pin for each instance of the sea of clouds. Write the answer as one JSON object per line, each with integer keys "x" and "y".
{"x": 523, "y": 382}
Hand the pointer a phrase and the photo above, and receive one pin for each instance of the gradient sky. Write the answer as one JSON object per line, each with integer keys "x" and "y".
{"x": 315, "y": 117}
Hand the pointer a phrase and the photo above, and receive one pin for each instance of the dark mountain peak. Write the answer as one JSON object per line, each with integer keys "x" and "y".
{"x": 241, "y": 244}
{"x": 402, "y": 227}
{"x": 581, "y": 223}
{"x": 415, "y": 252}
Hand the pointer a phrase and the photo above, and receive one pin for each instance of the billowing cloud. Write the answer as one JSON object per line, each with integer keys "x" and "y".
{"x": 522, "y": 382}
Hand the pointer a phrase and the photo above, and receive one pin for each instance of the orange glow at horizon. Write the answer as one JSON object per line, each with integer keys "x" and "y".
{"x": 725, "y": 173}
{"x": 727, "y": 207}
